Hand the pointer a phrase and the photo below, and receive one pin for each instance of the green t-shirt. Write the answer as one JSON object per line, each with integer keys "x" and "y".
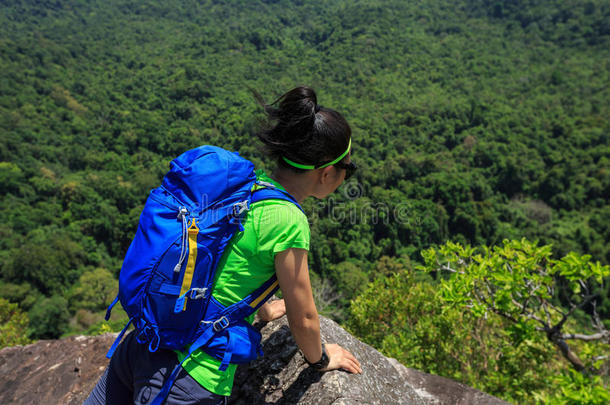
{"x": 270, "y": 226}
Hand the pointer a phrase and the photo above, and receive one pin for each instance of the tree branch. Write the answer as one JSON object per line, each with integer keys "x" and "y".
{"x": 565, "y": 316}
{"x": 530, "y": 315}
{"x": 546, "y": 311}
{"x": 449, "y": 269}
{"x": 497, "y": 311}
{"x": 605, "y": 335}
{"x": 565, "y": 350}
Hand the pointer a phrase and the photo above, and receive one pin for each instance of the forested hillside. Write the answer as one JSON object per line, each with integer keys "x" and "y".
{"x": 474, "y": 121}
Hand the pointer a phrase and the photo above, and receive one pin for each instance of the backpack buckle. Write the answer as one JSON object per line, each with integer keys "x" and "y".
{"x": 220, "y": 324}
{"x": 182, "y": 213}
{"x": 197, "y": 293}
{"x": 240, "y": 207}
{"x": 265, "y": 183}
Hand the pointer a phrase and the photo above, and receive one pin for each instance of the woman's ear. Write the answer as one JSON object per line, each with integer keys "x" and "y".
{"x": 326, "y": 175}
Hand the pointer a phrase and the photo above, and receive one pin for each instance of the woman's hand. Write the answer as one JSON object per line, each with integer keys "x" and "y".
{"x": 341, "y": 358}
{"x": 272, "y": 310}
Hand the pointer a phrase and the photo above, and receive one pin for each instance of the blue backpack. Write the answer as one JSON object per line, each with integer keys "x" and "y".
{"x": 166, "y": 281}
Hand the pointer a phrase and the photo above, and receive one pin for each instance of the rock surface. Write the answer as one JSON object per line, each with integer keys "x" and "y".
{"x": 283, "y": 377}
{"x": 53, "y": 371}
{"x": 64, "y": 372}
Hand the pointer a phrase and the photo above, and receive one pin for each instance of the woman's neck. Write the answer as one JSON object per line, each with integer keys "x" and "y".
{"x": 297, "y": 185}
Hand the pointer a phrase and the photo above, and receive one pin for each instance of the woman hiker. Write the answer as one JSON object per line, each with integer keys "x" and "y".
{"x": 312, "y": 146}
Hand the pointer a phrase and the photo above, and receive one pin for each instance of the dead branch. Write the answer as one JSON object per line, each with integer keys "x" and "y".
{"x": 605, "y": 335}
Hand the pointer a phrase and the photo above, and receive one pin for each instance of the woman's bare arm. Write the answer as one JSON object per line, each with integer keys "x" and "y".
{"x": 293, "y": 275}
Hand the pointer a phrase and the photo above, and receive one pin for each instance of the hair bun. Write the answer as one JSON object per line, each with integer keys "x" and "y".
{"x": 298, "y": 133}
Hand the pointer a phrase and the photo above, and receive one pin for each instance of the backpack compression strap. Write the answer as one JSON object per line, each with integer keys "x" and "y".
{"x": 187, "y": 279}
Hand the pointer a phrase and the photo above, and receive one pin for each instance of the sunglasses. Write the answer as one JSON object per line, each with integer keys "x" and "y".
{"x": 350, "y": 168}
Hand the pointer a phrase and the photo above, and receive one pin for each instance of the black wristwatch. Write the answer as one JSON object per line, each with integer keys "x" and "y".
{"x": 322, "y": 363}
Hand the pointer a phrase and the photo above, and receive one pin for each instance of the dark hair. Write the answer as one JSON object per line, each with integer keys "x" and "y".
{"x": 303, "y": 131}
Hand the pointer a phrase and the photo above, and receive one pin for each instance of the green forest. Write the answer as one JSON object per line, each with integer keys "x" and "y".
{"x": 474, "y": 240}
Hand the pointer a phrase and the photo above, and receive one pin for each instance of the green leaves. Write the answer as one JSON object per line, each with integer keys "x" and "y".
{"x": 409, "y": 322}
{"x": 49, "y": 318}
{"x": 492, "y": 319}
{"x": 13, "y": 325}
{"x": 536, "y": 295}
{"x": 576, "y": 389}
{"x": 574, "y": 267}
{"x": 94, "y": 290}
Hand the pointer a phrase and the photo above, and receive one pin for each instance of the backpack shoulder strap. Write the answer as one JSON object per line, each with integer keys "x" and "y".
{"x": 267, "y": 191}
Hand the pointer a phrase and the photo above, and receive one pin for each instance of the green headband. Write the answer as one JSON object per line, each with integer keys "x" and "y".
{"x": 312, "y": 167}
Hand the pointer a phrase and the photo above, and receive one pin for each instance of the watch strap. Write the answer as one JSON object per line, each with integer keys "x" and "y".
{"x": 323, "y": 362}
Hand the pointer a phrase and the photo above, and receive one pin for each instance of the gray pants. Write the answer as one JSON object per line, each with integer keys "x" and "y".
{"x": 135, "y": 376}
